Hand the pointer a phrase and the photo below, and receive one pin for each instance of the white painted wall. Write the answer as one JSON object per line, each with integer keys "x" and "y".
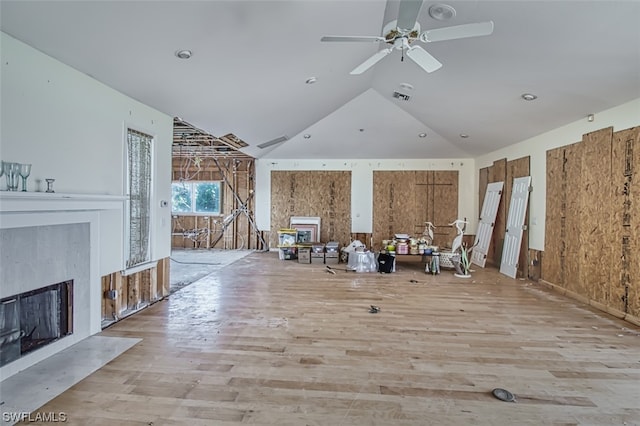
{"x": 620, "y": 118}
{"x": 71, "y": 127}
{"x": 362, "y": 185}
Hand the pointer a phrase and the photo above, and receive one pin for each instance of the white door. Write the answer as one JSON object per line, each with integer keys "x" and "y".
{"x": 515, "y": 225}
{"x": 487, "y": 222}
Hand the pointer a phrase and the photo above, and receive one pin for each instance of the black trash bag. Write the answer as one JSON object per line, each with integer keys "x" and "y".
{"x": 385, "y": 263}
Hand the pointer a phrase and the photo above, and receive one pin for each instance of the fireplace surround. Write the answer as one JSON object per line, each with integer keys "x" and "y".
{"x": 50, "y": 238}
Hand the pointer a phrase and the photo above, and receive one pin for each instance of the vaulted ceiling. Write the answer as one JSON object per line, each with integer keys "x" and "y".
{"x": 251, "y": 59}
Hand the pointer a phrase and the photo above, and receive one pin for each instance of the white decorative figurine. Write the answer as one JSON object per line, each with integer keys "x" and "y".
{"x": 457, "y": 241}
{"x": 428, "y": 233}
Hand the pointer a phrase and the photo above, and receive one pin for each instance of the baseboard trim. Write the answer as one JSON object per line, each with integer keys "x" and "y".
{"x": 600, "y": 306}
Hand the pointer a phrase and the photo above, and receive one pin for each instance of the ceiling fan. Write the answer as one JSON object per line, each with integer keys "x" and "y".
{"x": 401, "y": 33}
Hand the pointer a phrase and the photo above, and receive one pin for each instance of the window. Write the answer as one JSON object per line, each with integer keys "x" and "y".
{"x": 202, "y": 197}
{"x": 139, "y": 185}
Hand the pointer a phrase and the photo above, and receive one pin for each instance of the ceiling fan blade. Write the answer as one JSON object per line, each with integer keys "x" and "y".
{"x": 352, "y": 38}
{"x": 423, "y": 59}
{"x": 408, "y": 13}
{"x": 458, "y": 31}
{"x": 371, "y": 61}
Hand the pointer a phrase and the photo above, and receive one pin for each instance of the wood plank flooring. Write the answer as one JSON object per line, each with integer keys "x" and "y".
{"x": 270, "y": 342}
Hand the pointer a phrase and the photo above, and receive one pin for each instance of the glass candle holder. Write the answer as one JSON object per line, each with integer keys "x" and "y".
{"x": 50, "y": 185}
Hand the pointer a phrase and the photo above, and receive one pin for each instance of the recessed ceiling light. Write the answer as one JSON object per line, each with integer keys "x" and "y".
{"x": 306, "y": 136}
{"x": 464, "y": 135}
{"x": 529, "y": 97}
{"x": 183, "y": 54}
{"x": 441, "y": 12}
{"x": 423, "y": 135}
{"x": 311, "y": 80}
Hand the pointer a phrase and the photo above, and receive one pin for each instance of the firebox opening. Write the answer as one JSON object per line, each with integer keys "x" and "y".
{"x": 34, "y": 319}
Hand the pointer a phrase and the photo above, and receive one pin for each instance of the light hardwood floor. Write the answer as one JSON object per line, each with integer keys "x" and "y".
{"x": 265, "y": 341}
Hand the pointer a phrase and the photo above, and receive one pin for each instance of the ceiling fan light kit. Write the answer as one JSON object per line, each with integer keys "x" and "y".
{"x": 441, "y": 12}
{"x": 401, "y": 33}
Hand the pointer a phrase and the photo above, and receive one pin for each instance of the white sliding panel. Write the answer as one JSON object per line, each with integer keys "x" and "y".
{"x": 515, "y": 226}
{"x": 487, "y": 222}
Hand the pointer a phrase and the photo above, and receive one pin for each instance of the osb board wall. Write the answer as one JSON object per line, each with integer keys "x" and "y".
{"x": 595, "y": 225}
{"x": 325, "y": 194}
{"x": 404, "y": 200}
{"x": 592, "y": 219}
{"x": 483, "y": 182}
{"x": 625, "y": 260}
{"x": 134, "y": 292}
{"x": 195, "y": 231}
{"x": 498, "y": 174}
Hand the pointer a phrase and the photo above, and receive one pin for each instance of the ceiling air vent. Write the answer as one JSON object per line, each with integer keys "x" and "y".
{"x": 401, "y": 96}
{"x": 272, "y": 142}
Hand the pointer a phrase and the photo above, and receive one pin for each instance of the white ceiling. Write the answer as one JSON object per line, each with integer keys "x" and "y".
{"x": 251, "y": 60}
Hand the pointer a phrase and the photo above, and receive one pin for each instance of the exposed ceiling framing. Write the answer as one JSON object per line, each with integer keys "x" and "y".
{"x": 189, "y": 140}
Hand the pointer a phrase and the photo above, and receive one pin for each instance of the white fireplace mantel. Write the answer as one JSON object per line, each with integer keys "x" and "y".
{"x": 22, "y": 202}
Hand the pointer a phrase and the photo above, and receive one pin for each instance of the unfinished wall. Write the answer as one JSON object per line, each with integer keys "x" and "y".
{"x": 498, "y": 173}
{"x": 323, "y": 194}
{"x": 591, "y": 248}
{"x": 125, "y": 295}
{"x": 404, "y": 200}
{"x": 625, "y": 225}
{"x": 199, "y": 231}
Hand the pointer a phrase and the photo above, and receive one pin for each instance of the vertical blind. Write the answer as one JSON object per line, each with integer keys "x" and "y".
{"x": 139, "y": 147}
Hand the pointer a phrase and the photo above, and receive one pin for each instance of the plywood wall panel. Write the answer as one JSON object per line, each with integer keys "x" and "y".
{"x": 498, "y": 174}
{"x": 625, "y": 222}
{"x": 394, "y": 204}
{"x": 445, "y": 209}
{"x": 554, "y": 248}
{"x": 423, "y": 200}
{"x": 483, "y": 182}
{"x": 595, "y": 214}
{"x": 571, "y": 231}
{"x": 404, "y": 200}
{"x": 325, "y": 194}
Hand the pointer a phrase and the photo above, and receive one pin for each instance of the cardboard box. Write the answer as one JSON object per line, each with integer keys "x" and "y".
{"x": 304, "y": 255}
{"x": 331, "y": 260}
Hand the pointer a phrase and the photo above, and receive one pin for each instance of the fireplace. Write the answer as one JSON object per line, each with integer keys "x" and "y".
{"x": 48, "y": 238}
{"x": 34, "y": 319}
